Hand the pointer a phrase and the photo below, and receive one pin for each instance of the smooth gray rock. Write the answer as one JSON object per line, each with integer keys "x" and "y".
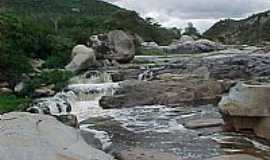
{"x": 203, "y": 123}
{"x": 248, "y": 100}
{"x": 235, "y": 157}
{"x": 82, "y": 58}
{"x": 124, "y": 46}
{"x": 115, "y": 45}
{"x": 19, "y": 87}
{"x": 247, "y": 108}
{"x": 141, "y": 154}
{"x": 25, "y": 136}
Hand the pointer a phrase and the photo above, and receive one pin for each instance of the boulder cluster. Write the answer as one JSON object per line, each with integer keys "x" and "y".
{"x": 103, "y": 49}
{"x": 185, "y": 45}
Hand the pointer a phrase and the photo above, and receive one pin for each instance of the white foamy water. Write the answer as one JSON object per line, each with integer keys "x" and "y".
{"x": 230, "y": 140}
{"x": 82, "y": 98}
{"x": 89, "y": 94}
{"x": 155, "y": 118}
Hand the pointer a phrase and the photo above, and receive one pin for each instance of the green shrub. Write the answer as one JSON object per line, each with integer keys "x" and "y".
{"x": 57, "y": 77}
{"x": 152, "y": 52}
{"x": 9, "y": 103}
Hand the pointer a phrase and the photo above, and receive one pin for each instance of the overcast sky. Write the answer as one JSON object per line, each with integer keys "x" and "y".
{"x": 203, "y": 13}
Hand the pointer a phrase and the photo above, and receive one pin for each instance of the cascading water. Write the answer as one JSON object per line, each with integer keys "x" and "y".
{"x": 80, "y": 98}
{"x": 149, "y": 73}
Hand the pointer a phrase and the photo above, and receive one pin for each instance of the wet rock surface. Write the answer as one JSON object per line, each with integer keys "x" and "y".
{"x": 41, "y": 137}
{"x": 162, "y": 128}
{"x": 136, "y": 154}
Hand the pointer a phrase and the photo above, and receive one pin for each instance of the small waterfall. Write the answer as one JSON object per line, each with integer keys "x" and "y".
{"x": 60, "y": 104}
{"x": 91, "y": 77}
{"x": 149, "y": 73}
{"x": 146, "y": 75}
{"x": 80, "y": 98}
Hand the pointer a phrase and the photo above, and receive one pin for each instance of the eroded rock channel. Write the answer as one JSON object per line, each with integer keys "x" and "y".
{"x": 168, "y": 107}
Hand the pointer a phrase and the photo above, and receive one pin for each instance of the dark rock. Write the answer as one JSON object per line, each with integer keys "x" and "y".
{"x": 4, "y": 84}
{"x": 70, "y": 120}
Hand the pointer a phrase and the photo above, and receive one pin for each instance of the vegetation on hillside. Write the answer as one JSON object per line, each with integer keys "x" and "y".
{"x": 48, "y": 29}
{"x": 252, "y": 30}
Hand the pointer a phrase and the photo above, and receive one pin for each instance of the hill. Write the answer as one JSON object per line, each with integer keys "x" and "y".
{"x": 48, "y": 29}
{"x": 252, "y": 30}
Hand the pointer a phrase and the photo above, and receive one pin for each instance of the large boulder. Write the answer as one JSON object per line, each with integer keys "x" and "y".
{"x": 249, "y": 100}
{"x": 82, "y": 58}
{"x": 115, "y": 45}
{"x": 186, "y": 38}
{"x": 42, "y": 137}
{"x": 165, "y": 93}
{"x": 247, "y": 108}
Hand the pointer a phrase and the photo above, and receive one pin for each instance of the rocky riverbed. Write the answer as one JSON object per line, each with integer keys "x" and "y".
{"x": 176, "y": 106}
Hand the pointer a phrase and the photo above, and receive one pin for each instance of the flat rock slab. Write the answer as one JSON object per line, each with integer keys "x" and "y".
{"x": 203, "y": 123}
{"x": 25, "y": 136}
{"x": 235, "y": 157}
{"x": 138, "y": 93}
{"x": 141, "y": 154}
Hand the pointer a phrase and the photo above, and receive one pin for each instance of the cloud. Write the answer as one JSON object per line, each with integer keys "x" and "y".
{"x": 203, "y": 13}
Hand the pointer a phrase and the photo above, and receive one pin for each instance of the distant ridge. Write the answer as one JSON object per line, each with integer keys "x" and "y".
{"x": 252, "y": 30}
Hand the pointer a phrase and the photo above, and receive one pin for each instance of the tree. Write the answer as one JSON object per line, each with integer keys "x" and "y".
{"x": 177, "y": 32}
{"x": 191, "y": 30}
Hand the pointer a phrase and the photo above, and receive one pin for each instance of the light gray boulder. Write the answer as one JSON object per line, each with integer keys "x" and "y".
{"x": 83, "y": 57}
{"x": 26, "y": 136}
{"x": 19, "y": 87}
{"x": 115, "y": 45}
{"x": 203, "y": 123}
{"x": 247, "y": 108}
{"x": 249, "y": 100}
